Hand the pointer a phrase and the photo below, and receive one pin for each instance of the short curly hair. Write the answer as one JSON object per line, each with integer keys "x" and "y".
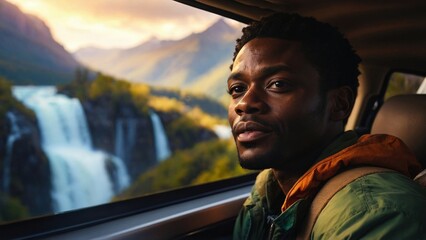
{"x": 324, "y": 46}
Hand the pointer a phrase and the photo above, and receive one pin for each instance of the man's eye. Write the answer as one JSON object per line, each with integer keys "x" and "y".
{"x": 236, "y": 90}
{"x": 278, "y": 86}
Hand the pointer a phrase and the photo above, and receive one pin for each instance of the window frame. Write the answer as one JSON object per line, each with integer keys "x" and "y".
{"x": 77, "y": 220}
{"x": 375, "y": 102}
{"x": 82, "y": 218}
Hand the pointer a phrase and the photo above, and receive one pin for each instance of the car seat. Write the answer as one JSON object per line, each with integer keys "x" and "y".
{"x": 404, "y": 116}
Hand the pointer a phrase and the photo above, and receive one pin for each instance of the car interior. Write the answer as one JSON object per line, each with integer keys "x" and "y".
{"x": 408, "y": 117}
{"x": 389, "y": 36}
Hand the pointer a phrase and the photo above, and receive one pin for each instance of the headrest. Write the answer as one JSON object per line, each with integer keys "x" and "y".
{"x": 404, "y": 116}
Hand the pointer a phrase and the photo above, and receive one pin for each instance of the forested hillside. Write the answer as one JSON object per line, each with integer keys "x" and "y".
{"x": 199, "y": 62}
{"x": 143, "y": 119}
{"x": 205, "y": 162}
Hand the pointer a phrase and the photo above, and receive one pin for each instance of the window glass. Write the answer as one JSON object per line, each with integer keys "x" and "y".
{"x": 404, "y": 83}
{"x": 108, "y": 100}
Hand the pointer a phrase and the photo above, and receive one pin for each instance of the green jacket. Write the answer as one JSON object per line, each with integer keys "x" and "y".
{"x": 386, "y": 205}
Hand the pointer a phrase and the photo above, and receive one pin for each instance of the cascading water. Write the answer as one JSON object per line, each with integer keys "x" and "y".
{"x": 162, "y": 147}
{"x": 222, "y": 131}
{"x": 79, "y": 173}
{"x": 125, "y": 140}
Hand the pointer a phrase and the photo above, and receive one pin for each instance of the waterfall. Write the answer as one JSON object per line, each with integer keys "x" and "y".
{"x": 80, "y": 177}
{"x": 222, "y": 131}
{"x": 162, "y": 147}
{"x": 125, "y": 139}
{"x": 15, "y": 134}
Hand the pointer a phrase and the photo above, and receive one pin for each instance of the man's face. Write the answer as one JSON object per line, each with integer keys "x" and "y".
{"x": 277, "y": 114}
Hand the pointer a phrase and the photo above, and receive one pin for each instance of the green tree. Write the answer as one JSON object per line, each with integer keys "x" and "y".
{"x": 6, "y": 98}
{"x": 81, "y": 83}
{"x": 79, "y": 86}
{"x": 205, "y": 162}
{"x": 11, "y": 209}
{"x": 108, "y": 87}
{"x": 9, "y": 102}
{"x": 140, "y": 94}
{"x": 401, "y": 83}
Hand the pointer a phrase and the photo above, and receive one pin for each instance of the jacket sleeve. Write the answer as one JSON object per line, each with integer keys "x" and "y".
{"x": 242, "y": 226}
{"x": 371, "y": 208}
{"x": 375, "y": 224}
{"x": 250, "y": 223}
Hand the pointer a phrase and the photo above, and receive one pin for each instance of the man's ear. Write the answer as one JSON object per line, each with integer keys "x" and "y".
{"x": 341, "y": 102}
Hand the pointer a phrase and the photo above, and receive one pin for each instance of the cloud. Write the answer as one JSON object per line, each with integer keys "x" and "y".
{"x": 109, "y": 23}
{"x": 138, "y": 9}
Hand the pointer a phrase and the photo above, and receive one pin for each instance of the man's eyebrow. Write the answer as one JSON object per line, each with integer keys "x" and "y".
{"x": 265, "y": 72}
{"x": 235, "y": 75}
{"x": 270, "y": 70}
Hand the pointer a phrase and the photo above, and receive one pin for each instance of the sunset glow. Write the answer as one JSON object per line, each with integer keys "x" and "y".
{"x": 115, "y": 24}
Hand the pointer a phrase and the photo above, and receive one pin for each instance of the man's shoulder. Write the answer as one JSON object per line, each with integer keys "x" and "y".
{"x": 264, "y": 185}
{"x": 262, "y": 180}
{"x": 266, "y": 194}
{"x": 382, "y": 190}
{"x": 380, "y": 200}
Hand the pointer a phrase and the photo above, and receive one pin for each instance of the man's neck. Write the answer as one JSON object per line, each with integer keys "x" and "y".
{"x": 285, "y": 181}
{"x": 289, "y": 176}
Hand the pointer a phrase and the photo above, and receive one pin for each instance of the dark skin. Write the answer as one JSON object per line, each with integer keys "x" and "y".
{"x": 279, "y": 117}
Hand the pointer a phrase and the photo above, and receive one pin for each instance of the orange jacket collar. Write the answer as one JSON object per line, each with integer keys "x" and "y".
{"x": 373, "y": 150}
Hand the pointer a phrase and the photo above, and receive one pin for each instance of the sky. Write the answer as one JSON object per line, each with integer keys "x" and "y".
{"x": 116, "y": 23}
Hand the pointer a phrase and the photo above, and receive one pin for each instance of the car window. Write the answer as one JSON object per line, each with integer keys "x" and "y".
{"x": 405, "y": 83}
{"x": 102, "y": 102}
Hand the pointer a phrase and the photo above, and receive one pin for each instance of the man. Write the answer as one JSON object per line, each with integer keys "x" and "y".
{"x": 293, "y": 83}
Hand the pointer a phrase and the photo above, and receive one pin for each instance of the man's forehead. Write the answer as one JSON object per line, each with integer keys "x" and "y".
{"x": 268, "y": 51}
{"x": 270, "y": 47}
{"x": 262, "y": 57}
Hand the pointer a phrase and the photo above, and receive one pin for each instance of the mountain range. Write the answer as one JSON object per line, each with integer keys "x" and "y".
{"x": 28, "y": 52}
{"x": 199, "y": 62}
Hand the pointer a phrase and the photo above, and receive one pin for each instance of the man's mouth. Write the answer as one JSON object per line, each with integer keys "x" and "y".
{"x": 250, "y": 136}
{"x": 250, "y": 131}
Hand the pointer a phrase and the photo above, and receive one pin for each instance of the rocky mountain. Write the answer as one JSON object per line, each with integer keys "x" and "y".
{"x": 28, "y": 52}
{"x": 198, "y": 62}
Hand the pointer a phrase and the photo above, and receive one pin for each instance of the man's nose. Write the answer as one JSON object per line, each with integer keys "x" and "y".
{"x": 250, "y": 103}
